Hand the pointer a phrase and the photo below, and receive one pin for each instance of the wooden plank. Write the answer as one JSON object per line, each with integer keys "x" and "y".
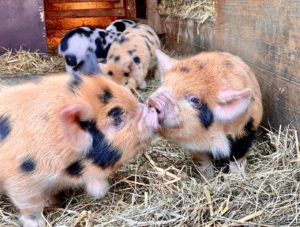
{"x": 52, "y": 14}
{"x": 266, "y": 35}
{"x": 66, "y": 1}
{"x": 69, "y": 23}
{"x": 78, "y": 5}
{"x": 119, "y": 4}
{"x": 130, "y": 10}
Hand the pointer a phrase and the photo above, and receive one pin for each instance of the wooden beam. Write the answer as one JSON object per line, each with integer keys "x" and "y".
{"x": 52, "y": 14}
{"x": 67, "y": 1}
{"x": 130, "y": 10}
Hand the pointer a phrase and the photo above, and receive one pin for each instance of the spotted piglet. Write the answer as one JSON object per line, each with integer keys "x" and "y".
{"x": 131, "y": 56}
{"x": 119, "y": 26}
{"x": 59, "y": 134}
{"x": 209, "y": 104}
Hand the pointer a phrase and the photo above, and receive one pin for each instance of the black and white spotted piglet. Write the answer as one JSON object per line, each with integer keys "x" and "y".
{"x": 83, "y": 47}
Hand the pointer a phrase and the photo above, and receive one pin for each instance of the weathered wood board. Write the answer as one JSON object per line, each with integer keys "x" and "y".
{"x": 22, "y": 25}
{"x": 266, "y": 34}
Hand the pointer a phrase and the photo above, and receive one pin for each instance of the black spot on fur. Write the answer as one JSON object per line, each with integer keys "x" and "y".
{"x": 184, "y": 69}
{"x": 75, "y": 83}
{"x": 4, "y": 127}
{"x": 120, "y": 26}
{"x": 128, "y": 21}
{"x": 78, "y": 66}
{"x": 200, "y": 66}
{"x": 103, "y": 34}
{"x": 148, "y": 39}
{"x": 65, "y": 39}
{"x": 110, "y": 57}
{"x": 130, "y": 52}
{"x": 101, "y": 153}
{"x": 137, "y": 26}
{"x": 137, "y": 60}
{"x": 126, "y": 74}
{"x": 150, "y": 32}
{"x": 122, "y": 39}
{"x": 106, "y": 96}
{"x": 240, "y": 146}
{"x": 117, "y": 58}
{"x": 75, "y": 168}
{"x": 71, "y": 60}
{"x": 110, "y": 73}
{"x": 28, "y": 165}
{"x": 148, "y": 46}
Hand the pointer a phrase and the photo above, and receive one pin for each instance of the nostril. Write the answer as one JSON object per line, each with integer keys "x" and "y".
{"x": 154, "y": 104}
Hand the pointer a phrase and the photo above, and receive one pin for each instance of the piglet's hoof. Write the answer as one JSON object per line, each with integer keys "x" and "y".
{"x": 32, "y": 221}
{"x": 206, "y": 169}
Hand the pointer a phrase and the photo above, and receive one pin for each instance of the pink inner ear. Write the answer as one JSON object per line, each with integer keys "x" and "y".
{"x": 164, "y": 61}
{"x": 232, "y": 103}
{"x": 70, "y": 118}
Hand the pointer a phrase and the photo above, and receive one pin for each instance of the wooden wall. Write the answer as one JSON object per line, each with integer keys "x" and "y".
{"x": 266, "y": 34}
{"x": 22, "y": 25}
{"x": 63, "y": 15}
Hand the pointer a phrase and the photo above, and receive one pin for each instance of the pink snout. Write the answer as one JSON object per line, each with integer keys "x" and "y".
{"x": 148, "y": 118}
{"x": 163, "y": 103}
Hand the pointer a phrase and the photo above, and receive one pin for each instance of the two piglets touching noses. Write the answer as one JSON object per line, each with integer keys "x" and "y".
{"x": 131, "y": 56}
{"x": 61, "y": 133}
{"x": 209, "y": 104}
{"x": 83, "y": 47}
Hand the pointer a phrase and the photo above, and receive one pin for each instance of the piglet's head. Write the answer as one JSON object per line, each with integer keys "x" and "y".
{"x": 106, "y": 123}
{"x": 122, "y": 68}
{"x": 192, "y": 100}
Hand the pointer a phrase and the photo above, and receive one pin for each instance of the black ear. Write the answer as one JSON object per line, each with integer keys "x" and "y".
{"x": 205, "y": 115}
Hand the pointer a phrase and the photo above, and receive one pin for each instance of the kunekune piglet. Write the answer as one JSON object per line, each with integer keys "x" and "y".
{"x": 59, "y": 133}
{"x": 131, "y": 56}
{"x": 209, "y": 104}
{"x": 83, "y": 46}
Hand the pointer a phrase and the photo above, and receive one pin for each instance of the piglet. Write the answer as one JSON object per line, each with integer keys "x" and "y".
{"x": 60, "y": 133}
{"x": 131, "y": 56}
{"x": 210, "y": 105}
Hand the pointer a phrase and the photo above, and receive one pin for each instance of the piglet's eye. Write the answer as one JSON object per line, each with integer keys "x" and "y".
{"x": 194, "y": 101}
{"x": 116, "y": 115}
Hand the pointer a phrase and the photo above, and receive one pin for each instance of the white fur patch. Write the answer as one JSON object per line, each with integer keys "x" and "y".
{"x": 31, "y": 221}
{"x": 97, "y": 189}
{"x": 218, "y": 146}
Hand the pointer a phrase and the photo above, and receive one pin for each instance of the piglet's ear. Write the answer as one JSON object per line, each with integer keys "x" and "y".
{"x": 71, "y": 117}
{"x": 232, "y": 103}
{"x": 164, "y": 62}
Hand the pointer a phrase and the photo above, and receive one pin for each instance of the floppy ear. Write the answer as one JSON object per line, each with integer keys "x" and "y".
{"x": 164, "y": 62}
{"x": 232, "y": 103}
{"x": 130, "y": 67}
{"x": 71, "y": 118}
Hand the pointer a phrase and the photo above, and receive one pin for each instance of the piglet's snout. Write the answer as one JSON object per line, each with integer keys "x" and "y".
{"x": 148, "y": 118}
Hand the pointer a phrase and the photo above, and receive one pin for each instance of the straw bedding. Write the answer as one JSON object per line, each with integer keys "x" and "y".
{"x": 202, "y": 10}
{"x": 163, "y": 187}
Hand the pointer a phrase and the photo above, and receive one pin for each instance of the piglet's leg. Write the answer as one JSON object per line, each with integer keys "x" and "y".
{"x": 95, "y": 180}
{"x": 31, "y": 209}
{"x": 205, "y": 165}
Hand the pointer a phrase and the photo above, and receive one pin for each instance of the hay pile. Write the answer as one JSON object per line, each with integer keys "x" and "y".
{"x": 25, "y": 63}
{"x": 202, "y": 10}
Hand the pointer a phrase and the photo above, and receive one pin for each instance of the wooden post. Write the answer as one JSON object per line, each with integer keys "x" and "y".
{"x": 153, "y": 16}
{"x": 130, "y": 9}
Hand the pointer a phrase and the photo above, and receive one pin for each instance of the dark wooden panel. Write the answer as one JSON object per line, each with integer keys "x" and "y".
{"x": 52, "y": 14}
{"x": 130, "y": 10}
{"x": 77, "y": 5}
{"x": 66, "y": 1}
{"x": 22, "y": 24}
{"x": 266, "y": 35}
{"x": 69, "y": 23}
